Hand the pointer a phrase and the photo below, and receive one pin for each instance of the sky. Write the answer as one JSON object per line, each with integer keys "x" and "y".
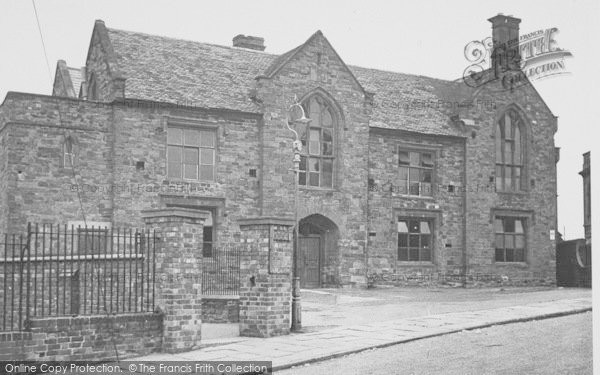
{"x": 419, "y": 37}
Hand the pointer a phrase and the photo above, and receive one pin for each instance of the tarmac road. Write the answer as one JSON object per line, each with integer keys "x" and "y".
{"x": 552, "y": 346}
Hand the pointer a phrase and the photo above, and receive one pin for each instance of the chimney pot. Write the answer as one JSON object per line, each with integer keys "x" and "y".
{"x": 249, "y": 42}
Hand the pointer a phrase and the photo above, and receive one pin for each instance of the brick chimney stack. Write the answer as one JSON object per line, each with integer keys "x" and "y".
{"x": 249, "y": 42}
{"x": 505, "y": 36}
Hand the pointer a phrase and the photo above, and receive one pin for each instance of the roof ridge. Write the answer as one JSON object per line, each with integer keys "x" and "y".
{"x": 193, "y": 41}
{"x": 402, "y": 73}
{"x": 273, "y": 54}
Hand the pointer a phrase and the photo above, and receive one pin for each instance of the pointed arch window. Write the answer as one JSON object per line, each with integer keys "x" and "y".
{"x": 68, "y": 152}
{"x": 317, "y": 163}
{"x": 510, "y": 143}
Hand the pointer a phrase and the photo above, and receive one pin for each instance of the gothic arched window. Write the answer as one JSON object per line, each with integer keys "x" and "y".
{"x": 510, "y": 155}
{"x": 317, "y": 161}
{"x": 68, "y": 152}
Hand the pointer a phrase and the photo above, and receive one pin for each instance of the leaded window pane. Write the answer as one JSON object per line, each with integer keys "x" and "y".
{"x": 403, "y": 254}
{"x": 174, "y": 154}
{"x": 425, "y": 241}
{"x": 517, "y": 150}
{"x": 509, "y": 225}
{"x": 498, "y": 225}
{"x": 498, "y": 143}
{"x": 509, "y": 145}
{"x": 508, "y": 178}
{"x": 190, "y": 171}
{"x": 426, "y": 160}
{"x": 313, "y": 164}
{"x": 207, "y": 138}
{"x": 302, "y": 163}
{"x": 499, "y": 178}
{"x": 174, "y": 170}
{"x": 402, "y": 240}
{"x": 510, "y": 239}
{"x": 414, "y": 158}
{"x": 415, "y": 175}
{"x": 207, "y": 172}
{"x": 314, "y": 179}
{"x": 190, "y": 155}
{"x": 174, "y": 136}
{"x": 426, "y": 176}
{"x": 326, "y": 119}
{"x": 191, "y": 137}
{"x": 499, "y": 255}
{"x": 500, "y": 241}
{"x": 327, "y": 180}
{"x": 519, "y": 226}
{"x": 510, "y": 255}
{"x": 413, "y": 188}
{"x": 413, "y": 254}
{"x": 403, "y": 158}
{"x": 207, "y": 156}
{"x": 414, "y": 226}
{"x": 402, "y": 226}
{"x": 508, "y": 152}
{"x": 519, "y": 255}
{"x": 519, "y": 242}
{"x": 403, "y": 173}
{"x": 319, "y": 145}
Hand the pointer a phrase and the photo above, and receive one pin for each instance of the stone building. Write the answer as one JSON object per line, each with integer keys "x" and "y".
{"x": 402, "y": 178}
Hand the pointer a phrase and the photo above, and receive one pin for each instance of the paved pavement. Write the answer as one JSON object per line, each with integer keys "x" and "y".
{"x": 300, "y": 348}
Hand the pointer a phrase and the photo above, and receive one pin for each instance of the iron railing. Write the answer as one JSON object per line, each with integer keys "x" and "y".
{"x": 56, "y": 270}
{"x": 221, "y": 270}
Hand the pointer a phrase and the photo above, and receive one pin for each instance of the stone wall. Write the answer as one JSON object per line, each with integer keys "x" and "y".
{"x": 110, "y": 140}
{"x": 317, "y": 69}
{"x": 220, "y": 309}
{"x": 388, "y": 200}
{"x": 90, "y": 338}
{"x": 538, "y": 200}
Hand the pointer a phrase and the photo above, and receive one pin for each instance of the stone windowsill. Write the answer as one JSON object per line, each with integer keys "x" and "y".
{"x": 512, "y": 264}
{"x": 414, "y": 264}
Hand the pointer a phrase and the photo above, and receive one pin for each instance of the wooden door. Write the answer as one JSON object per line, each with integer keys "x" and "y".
{"x": 309, "y": 267}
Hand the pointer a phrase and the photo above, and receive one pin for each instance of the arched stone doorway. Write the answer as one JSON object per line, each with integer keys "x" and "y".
{"x": 318, "y": 252}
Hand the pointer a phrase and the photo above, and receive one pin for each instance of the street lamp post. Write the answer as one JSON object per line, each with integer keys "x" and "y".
{"x": 297, "y": 149}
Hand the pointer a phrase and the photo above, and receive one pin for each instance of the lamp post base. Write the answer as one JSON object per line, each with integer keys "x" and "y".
{"x": 296, "y": 306}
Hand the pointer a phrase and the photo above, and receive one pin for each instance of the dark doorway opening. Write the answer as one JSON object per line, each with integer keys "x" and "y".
{"x": 317, "y": 255}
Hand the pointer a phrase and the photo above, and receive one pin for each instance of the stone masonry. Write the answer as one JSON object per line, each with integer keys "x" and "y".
{"x": 136, "y": 87}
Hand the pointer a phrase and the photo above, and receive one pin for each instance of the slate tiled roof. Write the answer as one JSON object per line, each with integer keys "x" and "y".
{"x": 76, "y": 79}
{"x": 200, "y": 74}
{"x": 180, "y": 71}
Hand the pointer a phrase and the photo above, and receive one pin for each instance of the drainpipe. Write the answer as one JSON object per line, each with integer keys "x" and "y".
{"x": 465, "y": 189}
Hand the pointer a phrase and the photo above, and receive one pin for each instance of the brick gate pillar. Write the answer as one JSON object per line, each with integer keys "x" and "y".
{"x": 265, "y": 276}
{"x": 178, "y": 270}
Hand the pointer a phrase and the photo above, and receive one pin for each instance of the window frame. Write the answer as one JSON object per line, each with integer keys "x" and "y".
{"x": 208, "y": 251}
{"x": 68, "y": 158}
{"x": 431, "y": 222}
{"x": 500, "y": 143}
{"x": 420, "y": 149}
{"x": 525, "y": 223}
{"x": 306, "y": 155}
{"x": 199, "y": 128}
